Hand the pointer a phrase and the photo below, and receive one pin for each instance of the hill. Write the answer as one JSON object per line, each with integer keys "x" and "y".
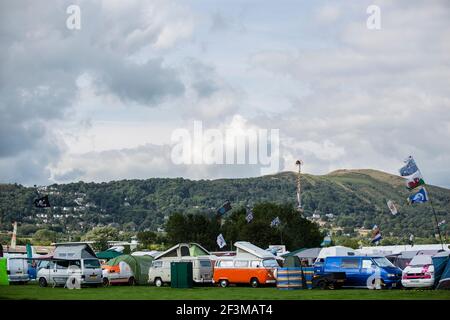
{"x": 356, "y": 198}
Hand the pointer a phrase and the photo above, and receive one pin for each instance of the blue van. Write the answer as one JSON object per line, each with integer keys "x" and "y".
{"x": 358, "y": 269}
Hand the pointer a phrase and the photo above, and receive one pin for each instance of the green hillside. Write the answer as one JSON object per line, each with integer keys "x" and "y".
{"x": 356, "y": 198}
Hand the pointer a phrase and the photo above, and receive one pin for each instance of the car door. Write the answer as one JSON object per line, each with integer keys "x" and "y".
{"x": 368, "y": 268}
{"x": 60, "y": 272}
{"x": 351, "y": 267}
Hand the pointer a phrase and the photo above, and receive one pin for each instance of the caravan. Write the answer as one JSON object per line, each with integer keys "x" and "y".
{"x": 251, "y": 265}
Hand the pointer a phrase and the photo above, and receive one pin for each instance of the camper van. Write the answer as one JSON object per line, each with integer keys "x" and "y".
{"x": 69, "y": 260}
{"x": 17, "y": 268}
{"x": 202, "y": 264}
{"x": 362, "y": 271}
{"x": 251, "y": 265}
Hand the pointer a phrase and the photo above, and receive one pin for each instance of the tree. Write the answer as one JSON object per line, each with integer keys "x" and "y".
{"x": 101, "y": 236}
{"x": 44, "y": 237}
{"x": 146, "y": 238}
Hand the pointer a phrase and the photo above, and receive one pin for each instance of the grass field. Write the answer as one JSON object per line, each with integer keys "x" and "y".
{"x": 34, "y": 292}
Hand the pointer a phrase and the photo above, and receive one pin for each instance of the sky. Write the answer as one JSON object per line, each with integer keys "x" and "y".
{"x": 102, "y": 102}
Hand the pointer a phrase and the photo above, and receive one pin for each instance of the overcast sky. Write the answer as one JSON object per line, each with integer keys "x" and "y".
{"x": 101, "y": 103}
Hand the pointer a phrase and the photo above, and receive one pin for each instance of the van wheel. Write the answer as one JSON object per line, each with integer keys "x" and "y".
{"x": 322, "y": 284}
{"x": 223, "y": 283}
{"x": 254, "y": 283}
{"x": 131, "y": 281}
{"x": 42, "y": 282}
{"x": 158, "y": 282}
{"x": 105, "y": 282}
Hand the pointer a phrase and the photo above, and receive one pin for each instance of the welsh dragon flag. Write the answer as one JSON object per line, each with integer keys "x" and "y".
{"x": 414, "y": 180}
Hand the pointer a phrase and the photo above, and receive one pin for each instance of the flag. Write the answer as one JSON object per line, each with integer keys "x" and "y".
{"x": 376, "y": 235}
{"x": 221, "y": 241}
{"x": 249, "y": 216}
{"x": 392, "y": 207}
{"x": 326, "y": 241}
{"x": 224, "y": 208}
{"x": 409, "y": 168}
{"x": 414, "y": 180}
{"x": 420, "y": 196}
{"x": 42, "y": 202}
{"x": 411, "y": 240}
{"x": 275, "y": 222}
{"x": 14, "y": 234}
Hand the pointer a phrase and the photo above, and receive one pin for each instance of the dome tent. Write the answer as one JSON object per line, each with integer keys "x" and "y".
{"x": 138, "y": 264}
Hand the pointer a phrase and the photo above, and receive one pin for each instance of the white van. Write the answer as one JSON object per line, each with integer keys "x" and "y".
{"x": 202, "y": 270}
{"x": 17, "y": 269}
{"x": 202, "y": 265}
{"x": 57, "y": 272}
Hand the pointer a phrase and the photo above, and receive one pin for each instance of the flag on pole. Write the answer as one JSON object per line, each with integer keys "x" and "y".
{"x": 275, "y": 222}
{"x": 411, "y": 240}
{"x": 14, "y": 235}
{"x": 249, "y": 216}
{"x": 42, "y": 202}
{"x": 409, "y": 168}
{"x": 376, "y": 235}
{"x": 420, "y": 196}
{"x": 392, "y": 207}
{"x": 224, "y": 208}
{"x": 221, "y": 241}
{"x": 414, "y": 180}
{"x": 326, "y": 241}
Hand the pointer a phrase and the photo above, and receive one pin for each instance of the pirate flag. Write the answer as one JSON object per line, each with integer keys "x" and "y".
{"x": 224, "y": 208}
{"x": 42, "y": 202}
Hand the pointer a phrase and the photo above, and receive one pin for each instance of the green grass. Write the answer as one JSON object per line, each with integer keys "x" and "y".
{"x": 33, "y": 292}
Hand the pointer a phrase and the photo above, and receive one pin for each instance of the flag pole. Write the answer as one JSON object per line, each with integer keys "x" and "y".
{"x": 437, "y": 223}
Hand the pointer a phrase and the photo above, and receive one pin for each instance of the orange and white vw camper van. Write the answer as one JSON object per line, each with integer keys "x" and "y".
{"x": 251, "y": 265}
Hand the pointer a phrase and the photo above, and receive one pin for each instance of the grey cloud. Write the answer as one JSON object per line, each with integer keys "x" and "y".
{"x": 40, "y": 61}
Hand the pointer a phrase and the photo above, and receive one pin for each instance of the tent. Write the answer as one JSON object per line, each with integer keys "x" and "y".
{"x": 310, "y": 254}
{"x": 441, "y": 262}
{"x": 335, "y": 251}
{"x": 108, "y": 254}
{"x": 184, "y": 250}
{"x": 138, "y": 264}
{"x": 402, "y": 260}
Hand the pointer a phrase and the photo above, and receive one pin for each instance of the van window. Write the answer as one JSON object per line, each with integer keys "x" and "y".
{"x": 225, "y": 263}
{"x": 255, "y": 264}
{"x": 91, "y": 264}
{"x": 62, "y": 264}
{"x": 383, "y": 262}
{"x": 185, "y": 251}
{"x": 76, "y": 263}
{"x": 366, "y": 264}
{"x": 157, "y": 264}
{"x": 241, "y": 263}
{"x": 270, "y": 263}
{"x": 205, "y": 263}
{"x": 350, "y": 263}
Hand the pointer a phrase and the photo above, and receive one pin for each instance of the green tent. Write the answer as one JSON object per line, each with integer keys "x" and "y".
{"x": 108, "y": 254}
{"x": 139, "y": 264}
